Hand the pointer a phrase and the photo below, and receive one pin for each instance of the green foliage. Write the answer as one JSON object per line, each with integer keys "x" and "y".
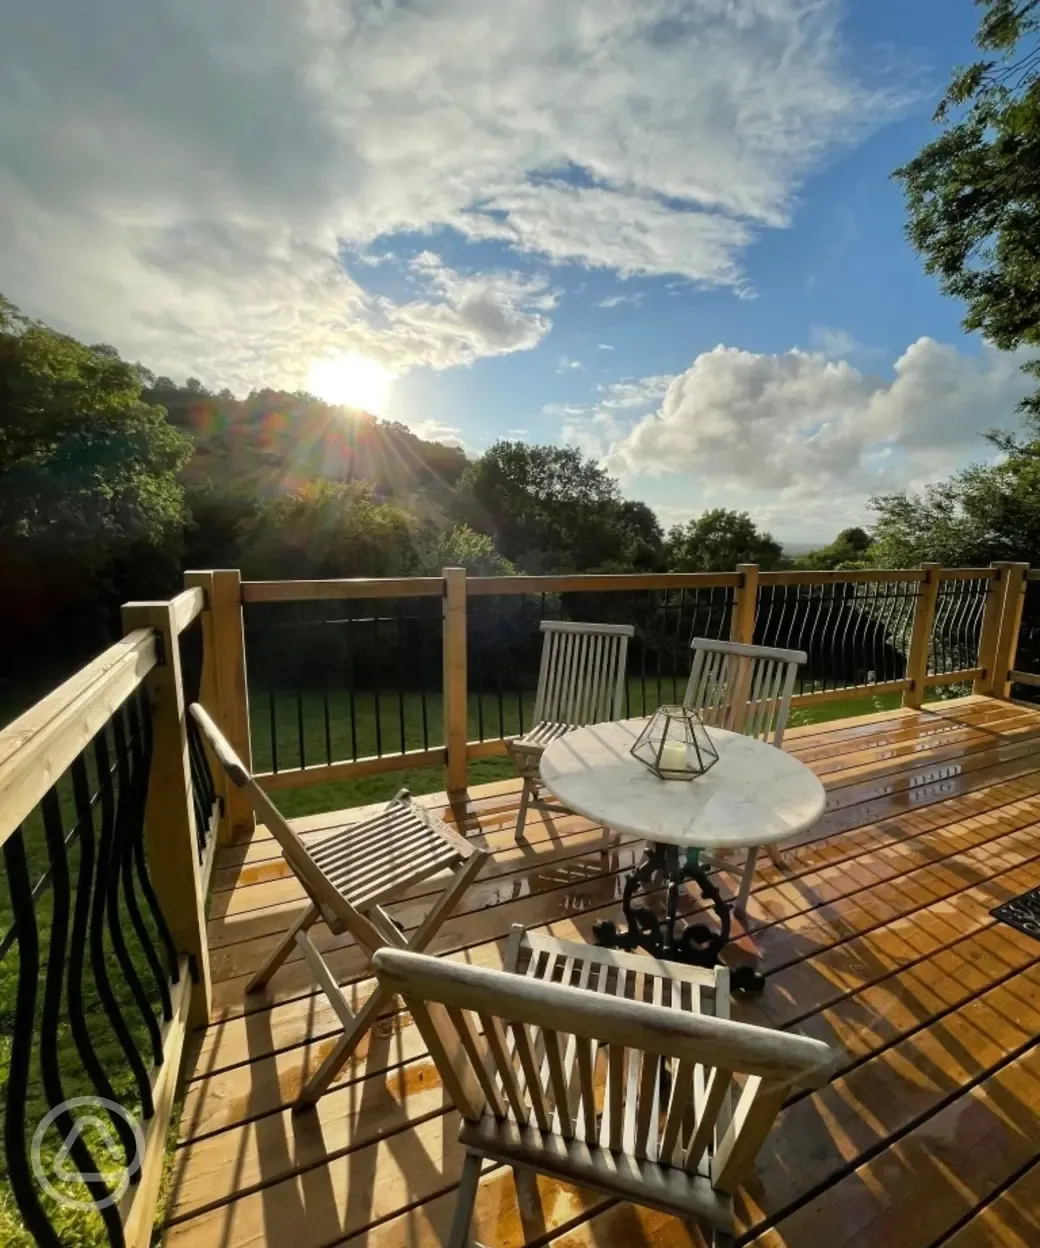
{"x": 329, "y": 529}
{"x": 848, "y": 550}
{"x": 551, "y": 509}
{"x": 973, "y": 193}
{"x": 986, "y": 512}
{"x": 717, "y": 541}
{"x": 87, "y": 466}
{"x": 463, "y": 547}
{"x": 89, "y": 495}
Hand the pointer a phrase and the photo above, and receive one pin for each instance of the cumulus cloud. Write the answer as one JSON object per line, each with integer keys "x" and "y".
{"x": 183, "y": 178}
{"x": 800, "y": 426}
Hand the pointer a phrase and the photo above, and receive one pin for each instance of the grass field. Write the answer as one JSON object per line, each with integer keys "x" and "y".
{"x": 343, "y": 733}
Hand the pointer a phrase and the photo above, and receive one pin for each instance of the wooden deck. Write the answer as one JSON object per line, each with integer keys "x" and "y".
{"x": 877, "y": 938}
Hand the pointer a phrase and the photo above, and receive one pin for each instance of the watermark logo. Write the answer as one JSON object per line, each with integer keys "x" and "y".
{"x": 60, "y": 1177}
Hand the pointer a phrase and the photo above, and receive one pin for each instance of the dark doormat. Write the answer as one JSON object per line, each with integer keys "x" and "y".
{"x": 1021, "y": 912}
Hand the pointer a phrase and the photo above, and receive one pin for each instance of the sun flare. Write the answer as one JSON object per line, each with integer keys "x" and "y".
{"x": 352, "y": 380}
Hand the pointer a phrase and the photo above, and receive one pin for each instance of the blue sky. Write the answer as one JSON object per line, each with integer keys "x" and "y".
{"x": 665, "y": 233}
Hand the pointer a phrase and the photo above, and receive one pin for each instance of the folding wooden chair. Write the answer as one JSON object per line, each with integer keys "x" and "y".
{"x": 349, "y": 876}
{"x": 609, "y": 1070}
{"x": 581, "y": 681}
{"x": 744, "y": 689}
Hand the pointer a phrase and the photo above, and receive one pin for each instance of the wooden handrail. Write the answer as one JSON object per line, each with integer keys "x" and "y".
{"x": 352, "y": 587}
{"x": 37, "y": 748}
{"x": 595, "y": 582}
{"x": 853, "y": 576}
{"x": 187, "y": 606}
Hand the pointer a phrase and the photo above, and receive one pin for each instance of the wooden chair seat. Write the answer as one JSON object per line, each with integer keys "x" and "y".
{"x": 373, "y": 862}
{"x": 614, "y": 1071}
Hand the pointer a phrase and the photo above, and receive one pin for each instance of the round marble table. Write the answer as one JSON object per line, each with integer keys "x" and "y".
{"x": 754, "y": 795}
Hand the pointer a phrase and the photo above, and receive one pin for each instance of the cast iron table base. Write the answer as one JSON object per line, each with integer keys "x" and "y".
{"x": 693, "y": 943}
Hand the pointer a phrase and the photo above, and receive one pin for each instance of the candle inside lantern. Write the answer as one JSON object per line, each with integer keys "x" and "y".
{"x": 673, "y": 756}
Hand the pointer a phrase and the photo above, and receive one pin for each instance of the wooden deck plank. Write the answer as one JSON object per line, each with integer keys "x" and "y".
{"x": 876, "y": 936}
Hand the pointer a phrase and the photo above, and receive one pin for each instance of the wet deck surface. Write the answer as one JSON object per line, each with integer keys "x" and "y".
{"x": 877, "y": 938}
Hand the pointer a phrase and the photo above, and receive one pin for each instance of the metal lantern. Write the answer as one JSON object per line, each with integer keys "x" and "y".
{"x": 675, "y": 744}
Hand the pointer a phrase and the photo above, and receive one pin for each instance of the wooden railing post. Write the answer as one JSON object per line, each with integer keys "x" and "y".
{"x": 233, "y": 718}
{"x": 456, "y": 702}
{"x": 989, "y": 633}
{"x": 173, "y": 856}
{"x": 1010, "y": 625}
{"x": 745, "y": 605}
{"x": 921, "y": 635}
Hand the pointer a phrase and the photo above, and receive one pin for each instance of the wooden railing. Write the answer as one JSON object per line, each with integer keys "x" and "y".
{"x": 322, "y": 681}
{"x": 106, "y": 851}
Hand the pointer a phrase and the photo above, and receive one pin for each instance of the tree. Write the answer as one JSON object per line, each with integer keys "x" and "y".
{"x": 463, "y": 547}
{"x": 986, "y": 512}
{"x": 329, "y": 529}
{"x": 88, "y": 475}
{"x": 848, "y": 550}
{"x": 717, "y": 541}
{"x": 551, "y": 509}
{"x": 973, "y": 193}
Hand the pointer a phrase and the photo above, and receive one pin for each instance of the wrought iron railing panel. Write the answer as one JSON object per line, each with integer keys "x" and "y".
{"x": 504, "y": 646}
{"x": 959, "y": 610}
{"x": 854, "y": 632}
{"x": 205, "y": 800}
{"x": 341, "y": 679}
{"x": 1027, "y": 657}
{"x": 86, "y": 968}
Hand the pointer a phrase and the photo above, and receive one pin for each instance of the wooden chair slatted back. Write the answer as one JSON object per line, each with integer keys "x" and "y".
{"x": 743, "y": 688}
{"x": 582, "y": 675}
{"x": 539, "y": 1048}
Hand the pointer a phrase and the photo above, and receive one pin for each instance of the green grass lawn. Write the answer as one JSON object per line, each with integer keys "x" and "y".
{"x": 340, "y": 796}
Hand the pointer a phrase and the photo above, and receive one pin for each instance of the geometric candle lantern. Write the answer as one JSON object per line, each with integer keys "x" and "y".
{"x": 675, "y": 744}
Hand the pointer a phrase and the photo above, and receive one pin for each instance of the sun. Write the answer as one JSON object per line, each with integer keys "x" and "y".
{"x": 352, "y": 380}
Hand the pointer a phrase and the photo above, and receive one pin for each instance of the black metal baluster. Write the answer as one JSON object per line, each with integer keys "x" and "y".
{"x": 115, "y": 930}
{"x": 50, "y": 1068}
{"x": 352, "y": 677}
{"x": 274, "y": 729}
{"x": 377, "y": 659}
{"x": 400, "y": 673}
{"x": 477, "y": 651}
{"x": 299, "y": 726}
{"x": 77, "y": 955}
{"x": 141, "y": 729}
{"x": 423, "y": 642}
{"x": 98, "y": 909}
{"x": 679, "y": 604}
{"x": 19, "y": 1169}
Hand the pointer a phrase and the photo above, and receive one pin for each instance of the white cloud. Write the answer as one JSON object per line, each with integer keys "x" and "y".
{"x": 437, "y": 431}
{"x": 634, "y": 392}
{"x": 565, "y": 365}
{"x": 797, "y": 436}
{"x": 604, "y": 346}
{"x": 182, "y": 178}
{"x": 616, "y": 301}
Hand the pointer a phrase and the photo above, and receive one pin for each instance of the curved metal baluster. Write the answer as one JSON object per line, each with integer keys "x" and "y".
{"x": 115, "y": 823}
{"x": 98, "y": 909}
{"x": 141, "y": 725}
{"x": 19, "y": 1170}
{"x": 50, "y": 1068}
{"x": 133, "y": 784}
{"x": 77, "y": 954}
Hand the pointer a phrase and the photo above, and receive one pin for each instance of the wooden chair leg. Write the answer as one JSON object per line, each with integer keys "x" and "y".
{"x": 746, "y": 880}
{"x": 458, "y": 1236}
{"x": 303, "y": 924}
{"x": 360, "y": 1024}
{"x": 525, "y": 801}
{"x": 776, "y": 855}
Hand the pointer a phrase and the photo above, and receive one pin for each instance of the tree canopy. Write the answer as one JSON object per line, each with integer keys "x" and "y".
{"x": 717, "y": 541}
{"x": 973, "y": 193}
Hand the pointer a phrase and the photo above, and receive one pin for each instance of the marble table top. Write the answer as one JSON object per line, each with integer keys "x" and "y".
{"x": 754, "y": 795}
